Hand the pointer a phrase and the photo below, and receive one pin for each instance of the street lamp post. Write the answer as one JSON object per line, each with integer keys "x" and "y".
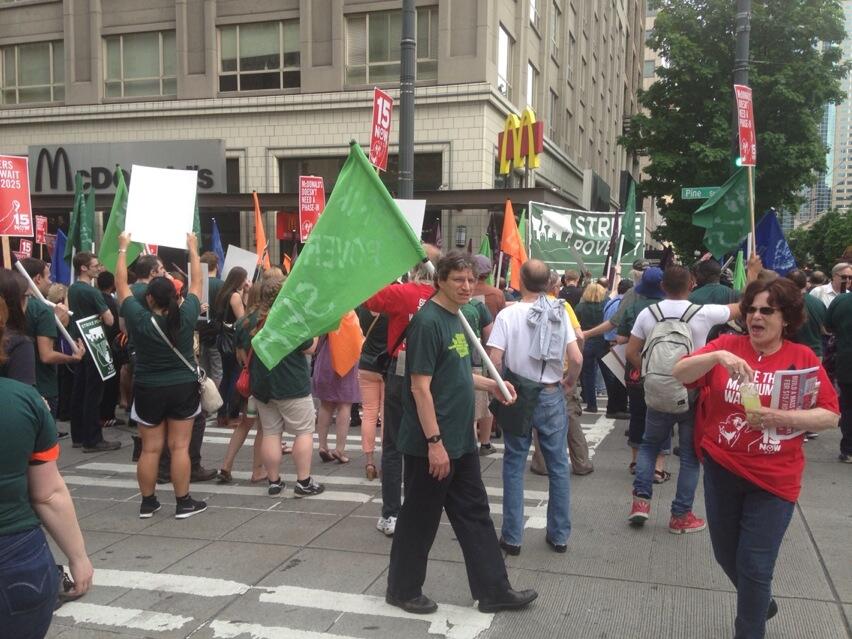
{"x": 408, "y": 73}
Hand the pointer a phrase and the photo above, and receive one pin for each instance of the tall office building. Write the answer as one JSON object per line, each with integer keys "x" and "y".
{"x": 841, "y": 196}
{"x": 270, "y": 90}
{"x": 819, "y": 196}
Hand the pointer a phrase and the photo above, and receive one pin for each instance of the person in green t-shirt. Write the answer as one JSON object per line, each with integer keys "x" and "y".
{"x": 166, "y": 396}
{"x": 811, "y": 332}
{"x": 708, "y": 290}
{"x": 441, "y": 463}
{"x": 209, "y": 356}
{"x": 84, "y": 301}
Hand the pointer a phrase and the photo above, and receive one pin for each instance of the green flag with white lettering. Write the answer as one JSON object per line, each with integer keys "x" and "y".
{"x": 725, "y": 216}
{"x": 360, "y": 243}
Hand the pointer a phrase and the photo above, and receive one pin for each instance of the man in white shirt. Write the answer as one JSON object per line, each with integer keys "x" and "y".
{"x": 534, "y": 340}
{"x": 676, "y": 285}
{"x": 841, "y": 274}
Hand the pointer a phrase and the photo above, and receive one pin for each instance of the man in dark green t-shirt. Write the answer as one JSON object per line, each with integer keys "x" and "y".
{"x": 708, "y": 290}
{"x": 85, "y": 300}
{"x": 441, "y": 463}
{"x": 209, "y": 357}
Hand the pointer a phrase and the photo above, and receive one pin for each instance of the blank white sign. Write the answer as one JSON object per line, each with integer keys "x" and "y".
{"x": 239, "y": 257}
{"x": 413, "y": 211}
{"x": 161, "y": 205}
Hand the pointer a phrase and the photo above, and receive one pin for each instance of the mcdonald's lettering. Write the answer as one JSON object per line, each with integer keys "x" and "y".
{"x": 521, "y": 141}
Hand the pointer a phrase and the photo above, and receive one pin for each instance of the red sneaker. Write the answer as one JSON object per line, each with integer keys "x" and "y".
{"x": 640, "y": 511}
{"x": 687, "y": 523}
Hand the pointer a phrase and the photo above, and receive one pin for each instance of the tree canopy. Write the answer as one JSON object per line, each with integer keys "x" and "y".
{"x": 685, "y": 129}
{"x": 825, "y": 242}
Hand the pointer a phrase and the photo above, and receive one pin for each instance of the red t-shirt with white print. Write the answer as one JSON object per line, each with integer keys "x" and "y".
{"x": 773, "y": 463}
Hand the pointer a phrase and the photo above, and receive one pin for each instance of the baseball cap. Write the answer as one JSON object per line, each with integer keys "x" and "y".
{"x": 482, "y": 264}
{"x": 640, "y": 265}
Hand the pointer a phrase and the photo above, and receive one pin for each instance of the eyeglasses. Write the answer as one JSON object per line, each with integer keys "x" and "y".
{"x": 95, "y": 265}
{"x": 845, "y": 277}
{"x": 763, "y": 310}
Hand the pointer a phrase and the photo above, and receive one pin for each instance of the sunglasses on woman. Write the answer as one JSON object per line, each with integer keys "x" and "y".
{"x": 763, "y": 310}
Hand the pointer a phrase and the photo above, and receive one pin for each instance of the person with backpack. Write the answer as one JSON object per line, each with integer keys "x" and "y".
{"x": 663, "y": 333}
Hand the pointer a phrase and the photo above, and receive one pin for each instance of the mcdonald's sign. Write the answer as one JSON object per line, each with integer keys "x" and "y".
{"x": 522, "y": 140}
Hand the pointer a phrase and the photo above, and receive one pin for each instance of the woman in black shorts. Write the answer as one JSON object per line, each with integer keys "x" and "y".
{"x": 166, "y": 391}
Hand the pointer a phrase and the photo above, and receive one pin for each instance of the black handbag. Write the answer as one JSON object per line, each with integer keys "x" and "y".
{"x": 516, "y": 419}
{"x": 226, "y": 341}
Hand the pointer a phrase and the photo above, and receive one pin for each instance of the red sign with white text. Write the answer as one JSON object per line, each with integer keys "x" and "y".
{"x": 311, "y": 203}
{"x": 16, "y": 216}
{"x": 380, "y": 131}
{"x": 41, "y": 229}
{"x": 25, "y": 248}
{"x": 745, "y": 120}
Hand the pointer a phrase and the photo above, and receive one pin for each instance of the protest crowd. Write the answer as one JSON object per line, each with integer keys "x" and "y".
{"x": 413, "y": 364}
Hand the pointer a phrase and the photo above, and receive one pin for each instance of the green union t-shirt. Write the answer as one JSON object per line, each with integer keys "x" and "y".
{"x": 40, "y": 323}
{"x": 713, "y": 293}
{"x": 27, "y": 429}
{"x": 84, "y": 301}
{"x": 436, "y": 346}
{"x": 291, "y": 377}
{"x": 156, "y": 363}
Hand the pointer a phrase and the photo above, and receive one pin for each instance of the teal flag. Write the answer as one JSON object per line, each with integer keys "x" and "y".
{"x": 73, "y": 242}
{"x": 485, "y": 249}
{"x": 361, "y": 239}
{"x": 725, "y": 216}
{"x": 632, "y": 236}
{"x": 108, "y": 255}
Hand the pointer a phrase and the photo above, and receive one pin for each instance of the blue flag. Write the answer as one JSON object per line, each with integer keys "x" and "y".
{"x": 772, "y": 246}
{"x": 60, "y": 272}
{"x": 217, "y": 248}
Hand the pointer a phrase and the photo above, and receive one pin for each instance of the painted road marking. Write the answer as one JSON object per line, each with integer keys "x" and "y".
{"x": 201, "y": 586}
{"x": 122, "y": 617}
{"x": 239, "y": 629}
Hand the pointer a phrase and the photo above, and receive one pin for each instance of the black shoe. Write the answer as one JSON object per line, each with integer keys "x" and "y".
{"x": 187, "y": 507}
{"x": 199, "y": 473}
{"x": 590, "y": 410}
{"x": 419, "y": 605}
{"x": 275, "y": 488}
{"x": 618, "y": 415}
{"x": 61, "y": 434}
{"x": 510, "y": 549}
{"x": 773, "y": 609}
{"x": 560, "y": 548}
{"x": 509, "y": 600}
{"x": 149, "y": 507}
{"x": 102, "y": 446}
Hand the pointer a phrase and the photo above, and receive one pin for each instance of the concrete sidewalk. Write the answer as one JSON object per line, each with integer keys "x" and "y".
{"x": 262, "y": 568}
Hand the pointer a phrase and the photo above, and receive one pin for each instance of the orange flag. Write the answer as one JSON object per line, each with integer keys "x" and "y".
{"x": 345, "y": 344}
{"x": 260, "y": 235}
{"x": 511, "y": 245}
{"x": 287, "y": 263}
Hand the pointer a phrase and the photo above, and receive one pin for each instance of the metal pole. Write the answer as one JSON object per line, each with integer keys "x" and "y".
{"x": 408, "y": 74}
{"x": 741, "y": 54}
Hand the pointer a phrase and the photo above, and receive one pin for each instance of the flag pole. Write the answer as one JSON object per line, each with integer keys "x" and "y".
{"x": 499, "y": 268}
{"x": 7, "y": 253}
{"x": 752, "y": 247}
{"x": 37, "y": 293}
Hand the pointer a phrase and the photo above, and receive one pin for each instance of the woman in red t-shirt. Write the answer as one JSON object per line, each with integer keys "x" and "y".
{"x": 753, "y": 460}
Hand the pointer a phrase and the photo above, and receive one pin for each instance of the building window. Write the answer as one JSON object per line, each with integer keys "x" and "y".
{"x": 553, "y": 116}
{"x": 535, "y": 18}
{"x": 532, "y": 82}
{"x": 555, "y": 32}
{"x": 372, "y": 46}
{"x": 648, "y": 70}
{"x": 140, "y": 64}
{"x": 505, "y": 45}
{"x": 32, "y": 72}
{"x": 259, "y": 56}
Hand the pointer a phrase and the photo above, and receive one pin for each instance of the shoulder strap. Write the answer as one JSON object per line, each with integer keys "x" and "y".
{"x": 690, "y": 312}
{"x": 195, "y": 368}
{"x": 370, "y": 330}
{"x": 657, "y": 312}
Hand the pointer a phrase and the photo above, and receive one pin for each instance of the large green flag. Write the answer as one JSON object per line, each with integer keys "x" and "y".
{"x": 628, "y": 222}
{"x": 725, "y": 216}
{"x": 73, "y": 242}
{"x": 196, "y": 224}
{"x": 739, "y": 273}
{"x": 108, "y": 255}
{"x": 485, "y": 249}
{"x": 86, "y": 226}
{"x": 361, "y": 239}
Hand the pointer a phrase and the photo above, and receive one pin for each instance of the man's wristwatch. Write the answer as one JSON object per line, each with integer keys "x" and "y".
{"x": 434, "y": 439}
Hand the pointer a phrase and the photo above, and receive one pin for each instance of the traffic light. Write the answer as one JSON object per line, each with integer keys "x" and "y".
{"x": 738, "y": 161}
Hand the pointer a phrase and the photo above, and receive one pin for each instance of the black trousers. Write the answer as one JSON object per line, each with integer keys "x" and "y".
{"x": 462, "y": 495}
{"x": 86, "y": 403}
{"x": 391, "y": 457}
{"x": 195, "y": 441}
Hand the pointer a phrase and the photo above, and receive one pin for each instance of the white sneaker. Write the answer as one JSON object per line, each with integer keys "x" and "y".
{"x": 386, "y": 525}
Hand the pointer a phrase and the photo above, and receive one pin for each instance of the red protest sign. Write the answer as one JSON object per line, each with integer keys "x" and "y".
{"x": 745, "y": 121}
{"x": 380, "y": 131}
{"x": 41, "y": 229}
{"x": 50, "y": 240}
{"x": 25, "y": 248}
{"x": 16, "y": 216}
{"x": 311, "y": 203}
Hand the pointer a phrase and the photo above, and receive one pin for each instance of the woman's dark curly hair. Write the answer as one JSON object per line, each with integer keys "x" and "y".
{"x": 783, "y": 295}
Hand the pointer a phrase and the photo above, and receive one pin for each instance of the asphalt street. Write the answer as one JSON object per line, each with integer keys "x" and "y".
{"x": 254, "y": 567}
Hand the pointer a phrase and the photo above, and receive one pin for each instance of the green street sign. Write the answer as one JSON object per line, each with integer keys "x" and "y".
{"x": 698, "y": 192}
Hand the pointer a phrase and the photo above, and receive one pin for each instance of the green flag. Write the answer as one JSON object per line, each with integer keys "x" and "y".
{"x": 86, "y": 224}
{"x": 739, "y": 273}
{"x": 196, "y": 224}
{"x": 485, "y": 249}
{"x": 628, "y": 222}
{"x": 108, "y": 255}
{"x": 362, "y": 239}
{"x": 725, "y": 216}
{"x": 73, "y": 242}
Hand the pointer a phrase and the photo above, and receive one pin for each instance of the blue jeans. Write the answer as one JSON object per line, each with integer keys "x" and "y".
{"x": 658, "y": 431}
{"x": 551, "y": 422}
{"x": 747, "y": 525}
{"x": 593, "y": 350}
{"x": 29, "y": 582}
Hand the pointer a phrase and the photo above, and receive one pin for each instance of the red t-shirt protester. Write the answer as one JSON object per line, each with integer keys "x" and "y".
{"x": 399, "y": 302}
{"x": 722, "y": 431}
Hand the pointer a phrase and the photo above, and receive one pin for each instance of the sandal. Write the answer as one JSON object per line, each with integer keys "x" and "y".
{"x": 632, "y": 468}
{"x": 325, "y": 456}
{"x": 339, "y": 457}
{"x": 224, "y": 476}
{"x": 371, "y": 472}
{"x": 661, "y": 476}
